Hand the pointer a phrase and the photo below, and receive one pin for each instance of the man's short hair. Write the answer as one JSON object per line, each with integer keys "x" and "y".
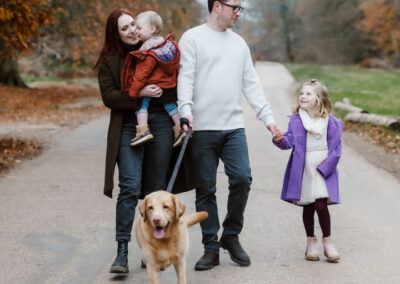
{"x": 211, "y": 4}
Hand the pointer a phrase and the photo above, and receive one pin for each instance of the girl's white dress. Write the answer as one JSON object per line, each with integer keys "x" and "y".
{"x": 313, "y": 184}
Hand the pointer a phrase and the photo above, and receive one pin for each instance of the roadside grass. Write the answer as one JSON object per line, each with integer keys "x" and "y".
{"x": 375, "y": 90}
{"x": 30, "y": 79}
{"x": 54, "y": 80}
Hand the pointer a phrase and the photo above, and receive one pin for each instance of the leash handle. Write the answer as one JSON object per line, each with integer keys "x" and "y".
{"x": 184, "y": 121}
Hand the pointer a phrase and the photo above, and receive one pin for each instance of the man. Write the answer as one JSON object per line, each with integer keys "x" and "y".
{"x": 216, "y": 70}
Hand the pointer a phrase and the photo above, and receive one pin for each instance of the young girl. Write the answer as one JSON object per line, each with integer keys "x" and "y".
{"x": 311, "y": 178}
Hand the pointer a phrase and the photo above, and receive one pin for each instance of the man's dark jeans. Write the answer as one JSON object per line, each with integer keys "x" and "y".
{"x": 150, "y": 160}
{"x": 231, "y": 147}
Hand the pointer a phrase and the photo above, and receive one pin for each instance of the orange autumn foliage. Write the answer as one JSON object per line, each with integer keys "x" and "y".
{"x": 20, "y": 22}
{"x": 381, "y": 25}
{"x": 78, "y": 29}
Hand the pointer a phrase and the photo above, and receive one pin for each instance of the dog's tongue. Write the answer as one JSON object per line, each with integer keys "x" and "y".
{"x": 159, "y": 233}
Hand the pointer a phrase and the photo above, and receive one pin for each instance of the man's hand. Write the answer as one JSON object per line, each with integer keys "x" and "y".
{"x": 190, "y": 118}
{"x": 151, "y": 91}
{"x": 277, "y": 138}
{"x": 276, "y": 132}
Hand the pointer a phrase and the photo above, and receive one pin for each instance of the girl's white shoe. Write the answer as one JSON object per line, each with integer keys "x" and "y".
{"x": 329, "y": 250}
{"x": 312, "y": 249}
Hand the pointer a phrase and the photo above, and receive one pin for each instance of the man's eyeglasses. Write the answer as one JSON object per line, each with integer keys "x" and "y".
{"x": 235, "y": 9}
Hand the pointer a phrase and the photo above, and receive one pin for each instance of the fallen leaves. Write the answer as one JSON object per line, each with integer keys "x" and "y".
{"x": 381, "y": 136}
{"x": 43, "y": 106}
{"x": 11, "y": 150}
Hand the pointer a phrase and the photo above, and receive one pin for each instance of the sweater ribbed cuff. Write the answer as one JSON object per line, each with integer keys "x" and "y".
{"x": 269, "y": 119}
{"x": 185, "y": 110}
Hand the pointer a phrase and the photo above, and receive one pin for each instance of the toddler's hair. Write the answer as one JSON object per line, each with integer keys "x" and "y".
{"x": 154, "y": 19}
{"x": 324, "y": 105}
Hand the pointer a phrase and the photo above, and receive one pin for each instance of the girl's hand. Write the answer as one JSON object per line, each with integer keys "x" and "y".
{"x": 276, "y": 132}
{"x": 273, "y": 128}
{"x": 151, "y": 91}
{"x": 277, "y": 137}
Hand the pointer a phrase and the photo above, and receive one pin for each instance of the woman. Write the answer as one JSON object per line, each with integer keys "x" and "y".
{"x": 145, "y": 168}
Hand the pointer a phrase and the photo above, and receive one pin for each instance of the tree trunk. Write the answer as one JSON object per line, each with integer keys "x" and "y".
{"x": 9, "y": 74}
{"x": 392, "y": 122}
{"x": 286, "y": 13}
{"x": 348, "y": 107}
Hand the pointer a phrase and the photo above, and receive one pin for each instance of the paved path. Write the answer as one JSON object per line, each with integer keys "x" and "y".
{"x": 56, "y": 226}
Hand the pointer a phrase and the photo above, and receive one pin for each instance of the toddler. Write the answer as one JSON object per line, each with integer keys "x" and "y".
{"x": 311, "y": 178}
{"x": 156, "y": 62}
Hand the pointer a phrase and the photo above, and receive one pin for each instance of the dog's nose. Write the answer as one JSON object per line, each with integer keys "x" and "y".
{"x": 156, "y": 221}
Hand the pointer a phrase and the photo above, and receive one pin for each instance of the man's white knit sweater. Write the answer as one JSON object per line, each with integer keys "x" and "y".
{"x": 216, "y": 70}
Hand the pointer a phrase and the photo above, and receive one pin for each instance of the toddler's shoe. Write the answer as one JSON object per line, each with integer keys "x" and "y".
{"x": 311, "y": 250}
{"x": 143, "y": 135}
{"x": 329, "y": 250}
{"x": 179, "y": 135}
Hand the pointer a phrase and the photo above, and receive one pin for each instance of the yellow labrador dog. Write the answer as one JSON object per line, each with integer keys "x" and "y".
{"x": 162, "y": 234}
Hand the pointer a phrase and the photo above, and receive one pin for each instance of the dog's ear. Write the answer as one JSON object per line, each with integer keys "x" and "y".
{"x": 142, "y": 209}
{"x": 180, "y": 207}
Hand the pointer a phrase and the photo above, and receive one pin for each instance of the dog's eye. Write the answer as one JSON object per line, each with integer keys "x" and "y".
{"x": 166, "y": 207}
{"x": 150, "y": 207}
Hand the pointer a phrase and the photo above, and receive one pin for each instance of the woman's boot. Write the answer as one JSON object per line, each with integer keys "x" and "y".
{"x": 120, "y": 264}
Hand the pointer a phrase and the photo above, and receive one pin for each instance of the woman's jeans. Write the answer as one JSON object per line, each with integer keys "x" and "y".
{"x": 231, "y": 147}
{"x": 149, "y": 161}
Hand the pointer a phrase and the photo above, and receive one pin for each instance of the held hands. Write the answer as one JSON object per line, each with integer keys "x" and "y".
{"x": 151, "y": 91}
{"x": 276, "y": 132}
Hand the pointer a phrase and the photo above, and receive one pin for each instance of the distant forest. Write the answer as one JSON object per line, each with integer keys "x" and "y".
{"x": 55, "y": 32}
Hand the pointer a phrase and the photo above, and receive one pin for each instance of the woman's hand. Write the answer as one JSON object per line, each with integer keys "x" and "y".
{"x": 151, "y": 91}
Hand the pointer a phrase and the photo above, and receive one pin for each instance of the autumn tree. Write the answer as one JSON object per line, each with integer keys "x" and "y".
{"x": 381, "y": 25}
{"x": 304, "y": 30}
{"x": 328, "y": 32}
{"x": 179, "y": 15}
{"x": 19, "y": 25}
{"x": 77, "y": 32}
{"x": 74, "y": 29}
{"x": 287, "y": 10}
{"x": 262, "y": 27}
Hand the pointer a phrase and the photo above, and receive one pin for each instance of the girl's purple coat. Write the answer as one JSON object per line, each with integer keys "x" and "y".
{"x": 295, "y": 138}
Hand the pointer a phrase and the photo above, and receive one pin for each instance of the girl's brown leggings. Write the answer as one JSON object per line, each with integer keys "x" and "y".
{"x": 321, "y": 206}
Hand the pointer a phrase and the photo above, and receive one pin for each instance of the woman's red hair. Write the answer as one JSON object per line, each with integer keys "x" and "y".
{"x": 112, "y": 42}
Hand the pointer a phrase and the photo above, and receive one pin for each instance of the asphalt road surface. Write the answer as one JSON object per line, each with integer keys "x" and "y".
{"x": 57, "y": 227}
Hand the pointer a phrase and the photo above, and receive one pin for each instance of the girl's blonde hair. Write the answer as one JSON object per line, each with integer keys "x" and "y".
{"x": 154, "y": 19}
{"x": 324, "y": 105}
